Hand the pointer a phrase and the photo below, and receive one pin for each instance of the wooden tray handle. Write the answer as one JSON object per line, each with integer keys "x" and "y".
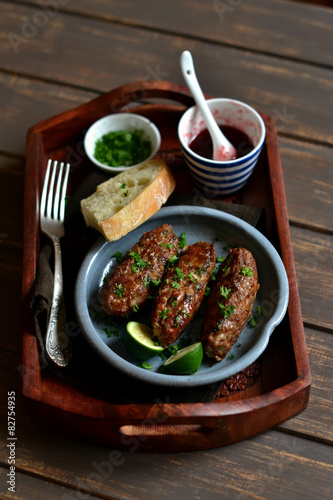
{"x": 168, "y": 437}
{"x": 140, "y": 91}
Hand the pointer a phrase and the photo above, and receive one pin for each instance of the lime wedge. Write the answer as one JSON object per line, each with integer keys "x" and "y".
{"x": 139, "y": 341}
{"x": 187, "y": 361}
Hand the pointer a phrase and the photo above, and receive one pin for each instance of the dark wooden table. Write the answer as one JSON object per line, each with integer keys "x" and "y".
{"x": 275, "y": 55}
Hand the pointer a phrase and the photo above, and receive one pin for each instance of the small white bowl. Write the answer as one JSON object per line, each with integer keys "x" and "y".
{"x": 128, "y": 122}
{"x": 217, "y": 178}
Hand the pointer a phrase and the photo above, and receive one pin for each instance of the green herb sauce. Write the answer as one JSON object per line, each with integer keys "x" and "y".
{"x": 119, "y": 148}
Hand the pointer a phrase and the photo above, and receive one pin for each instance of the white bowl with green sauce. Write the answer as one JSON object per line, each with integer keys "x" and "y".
{"x": 120, "y": 141}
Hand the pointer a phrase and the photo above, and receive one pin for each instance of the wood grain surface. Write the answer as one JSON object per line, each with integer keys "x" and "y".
{"x": 275, "y": 55}
{"x": 276, "y": 29}
{"x": 287, "y": 92}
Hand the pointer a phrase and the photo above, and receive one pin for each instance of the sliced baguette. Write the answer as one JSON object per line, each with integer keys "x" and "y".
{"x": 122, "y": 203}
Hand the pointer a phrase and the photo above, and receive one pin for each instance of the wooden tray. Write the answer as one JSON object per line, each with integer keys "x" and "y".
{"x": 91, "y": 399}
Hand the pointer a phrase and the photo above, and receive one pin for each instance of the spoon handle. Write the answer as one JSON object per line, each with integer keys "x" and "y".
{"x": 186, "y": 63}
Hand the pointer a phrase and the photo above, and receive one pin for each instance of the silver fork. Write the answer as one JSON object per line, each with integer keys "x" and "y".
{"x": 52, "y": 214}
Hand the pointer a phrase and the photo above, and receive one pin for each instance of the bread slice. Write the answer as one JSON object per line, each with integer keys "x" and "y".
{"x": 122, "y": 203}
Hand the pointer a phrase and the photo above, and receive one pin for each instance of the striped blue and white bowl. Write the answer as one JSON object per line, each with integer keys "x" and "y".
{"x": 218, "y": 178}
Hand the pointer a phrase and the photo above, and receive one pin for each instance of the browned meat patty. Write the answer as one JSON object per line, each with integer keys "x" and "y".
{"x": 127, "y": 287}
{"x": 230, "y": 304}
{"x": 182, "y": 291}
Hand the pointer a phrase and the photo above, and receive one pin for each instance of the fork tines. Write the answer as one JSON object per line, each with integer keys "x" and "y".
{"x": 58, "y": 193}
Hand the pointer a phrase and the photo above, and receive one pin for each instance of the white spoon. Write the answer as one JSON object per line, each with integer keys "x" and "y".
{"x": 223, "y": 150}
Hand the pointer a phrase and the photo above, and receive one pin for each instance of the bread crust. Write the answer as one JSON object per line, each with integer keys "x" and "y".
{"x": 146, "y": 204}
{"x": 140, "y": 209}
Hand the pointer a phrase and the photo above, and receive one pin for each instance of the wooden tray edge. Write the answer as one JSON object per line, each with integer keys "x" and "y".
{"x": 32, "y": 374}
{"x": 280, "y": 204}
{"x": 182, "y": 427}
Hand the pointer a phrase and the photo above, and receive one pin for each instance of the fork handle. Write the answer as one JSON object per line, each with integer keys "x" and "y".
{"x": 58, "y": 344}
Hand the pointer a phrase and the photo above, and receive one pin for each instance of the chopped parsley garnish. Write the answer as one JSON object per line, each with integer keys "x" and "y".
{"x": 123, "y": 186}
{"x": 220, "y": 259}
{"x": 226, "y": 310}
{"x": 118, "y": 256}
{"x": 119, "y": 290}
{"x": 182, "y": 241}
{"x": 149, "y": 281}
{"x": 114, "y": 332}
{"x": 227, "y": 265}
{"x": 155, "y": 282}
{"x": 135, "y": 308}
{"x": 176, "y": 285}
{"x": 138, "y": 263}
{"x": 198, "y": 271}
{"x": 182, "y": 313}
{"x": 145, "y": 365}
{"x": 167, "y": 245}
{"x": 163, "y": 314}
{"x": 172, "y": 261}
{"x": 247, "y": 271}
{"x": 225, "y": 291}
{"x": 192, "y": 278}
{"x": 99, "y": 314}
{"x": 122, "y": 148}
{"x": 255, "y": 318}
{"x": 231, "y": 356}
{"x": 180, "y": 275}
{"x": 172, "y": 349}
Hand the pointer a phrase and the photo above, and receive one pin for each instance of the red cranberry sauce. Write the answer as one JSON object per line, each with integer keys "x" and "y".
{"x": 202, "y": 144}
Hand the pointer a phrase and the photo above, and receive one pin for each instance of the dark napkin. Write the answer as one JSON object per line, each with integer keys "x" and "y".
{"x": 87, "y": 372}
{"x": 42, "y": 298}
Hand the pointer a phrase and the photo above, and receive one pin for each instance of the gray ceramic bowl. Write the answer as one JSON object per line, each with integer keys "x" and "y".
{"x": 198, "y": 224}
